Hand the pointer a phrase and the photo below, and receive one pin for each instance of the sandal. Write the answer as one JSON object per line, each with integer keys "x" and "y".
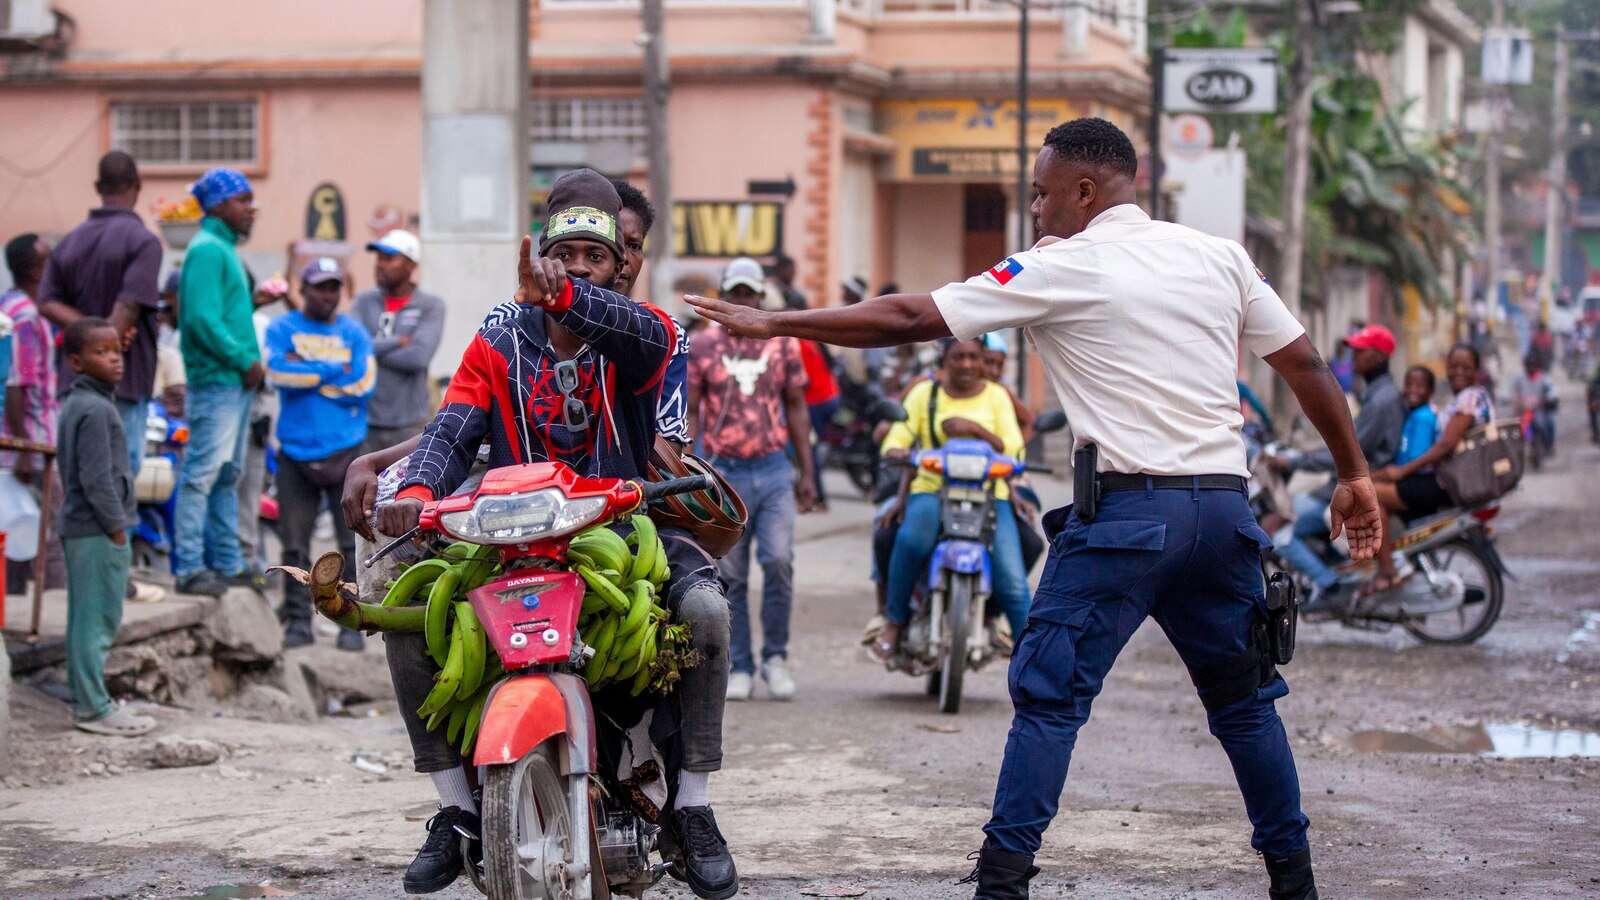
{"x": 888, "y": 643}
{"x": 117, "y": 723}
{"x": 874, "y": 629}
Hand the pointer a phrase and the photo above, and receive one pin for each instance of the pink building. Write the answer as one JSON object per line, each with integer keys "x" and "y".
{"x": 894, "y": 119}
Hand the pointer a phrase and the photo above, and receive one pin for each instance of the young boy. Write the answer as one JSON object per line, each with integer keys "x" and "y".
{"x": 1421, "y": 429}
{"x": 96, "y": 512}
{"x": 321, "y": 363}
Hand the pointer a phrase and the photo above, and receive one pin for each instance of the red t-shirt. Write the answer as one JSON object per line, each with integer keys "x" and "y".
{"x": 821, "y": 386}
{"x": 395, "y": 304}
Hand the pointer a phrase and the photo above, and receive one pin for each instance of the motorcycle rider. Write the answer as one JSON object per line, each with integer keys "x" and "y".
{"x": 1378, "y": 428}
{"x": 1534, "y": 393}
{"x": 966, "y": 404}
{"x": 595, "y": 362}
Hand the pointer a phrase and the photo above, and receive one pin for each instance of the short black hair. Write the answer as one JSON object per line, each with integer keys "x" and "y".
{"x": 1477, "y": 360}
{"x": 1426, "y": 373}
{"x": 78, "y": 333}
{"x": 118, "y": 172}
{"x": 634, "y": 199}
{"x": 783, "y": 259}
{"x": 22, "y": 255}
{"x": 1096, "y": 142}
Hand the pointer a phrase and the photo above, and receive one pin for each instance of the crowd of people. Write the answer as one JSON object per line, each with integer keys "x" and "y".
{"x": 245, "y": 363}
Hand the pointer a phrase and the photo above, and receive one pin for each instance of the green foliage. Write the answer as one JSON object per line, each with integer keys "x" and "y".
{"x": 1379, "y": 197}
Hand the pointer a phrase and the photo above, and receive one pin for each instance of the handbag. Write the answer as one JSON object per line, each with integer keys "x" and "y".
{"x": 328, "y": 471}
{"x": 1487, "y": 464}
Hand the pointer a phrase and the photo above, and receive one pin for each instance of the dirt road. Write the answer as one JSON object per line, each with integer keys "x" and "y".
{"x": 859, "y": 783}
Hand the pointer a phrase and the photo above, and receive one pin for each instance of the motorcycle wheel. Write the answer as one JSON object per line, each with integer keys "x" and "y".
{"x": 953, "y": 666}
{"x": 527, "y": 833}
{"x": 1481, "y": 607}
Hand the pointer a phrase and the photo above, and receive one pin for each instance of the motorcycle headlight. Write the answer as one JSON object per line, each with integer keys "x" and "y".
{"x": 966, "y": 466}
{"x": 519, "y": 518}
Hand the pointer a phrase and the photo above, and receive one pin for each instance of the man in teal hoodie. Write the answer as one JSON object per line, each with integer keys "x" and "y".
{"x": 223, "y": 364}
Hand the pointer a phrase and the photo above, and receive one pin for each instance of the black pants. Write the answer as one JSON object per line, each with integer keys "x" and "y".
{"x": 300, "y": 500}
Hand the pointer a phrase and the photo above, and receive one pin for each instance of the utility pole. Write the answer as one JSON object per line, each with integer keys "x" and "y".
{"x": 1555, "y": 201}
{"x": 656, "y": 90}
{"x": 1023, "y": 179}
{"x": 1297, "y": 166}
{"x": 1491, "y": 178}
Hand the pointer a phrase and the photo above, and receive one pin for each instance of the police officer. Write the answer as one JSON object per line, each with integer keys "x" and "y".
{"x": 1138, "y": 324}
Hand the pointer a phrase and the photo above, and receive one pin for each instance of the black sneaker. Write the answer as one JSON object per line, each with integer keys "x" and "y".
{"x": 245, "y": 578}
{"x": 297, "y": 633}
{"x": 440, "y": 862}
{"x": 707, "y": 865}
{"x": 203, "y": 582}
{"x": 350, "y": 639}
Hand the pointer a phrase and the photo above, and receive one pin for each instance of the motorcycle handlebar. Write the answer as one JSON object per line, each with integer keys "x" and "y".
{"x": 655, "y": 490}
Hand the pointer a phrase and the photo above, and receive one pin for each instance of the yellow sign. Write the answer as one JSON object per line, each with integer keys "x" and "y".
{"x": 724, "y": 229}
{"x": 966, "y": 139}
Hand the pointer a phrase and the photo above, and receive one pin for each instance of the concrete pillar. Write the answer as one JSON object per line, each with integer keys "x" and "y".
{"x": 474, "y": 159}
{"x": 824, "y": 16}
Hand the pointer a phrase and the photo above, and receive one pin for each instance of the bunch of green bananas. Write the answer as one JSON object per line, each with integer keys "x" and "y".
{"x": 621, "y": 619}
{"x": 468, "y": 667}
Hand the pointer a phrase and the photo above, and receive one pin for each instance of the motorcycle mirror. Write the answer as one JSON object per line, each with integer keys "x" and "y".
{"x": 890, "y": 411}
{"x": 1052, "y": 420}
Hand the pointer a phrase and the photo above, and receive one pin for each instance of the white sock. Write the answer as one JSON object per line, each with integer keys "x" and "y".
{"x": 453, "y": 789}
{"x": 694, "y": 789}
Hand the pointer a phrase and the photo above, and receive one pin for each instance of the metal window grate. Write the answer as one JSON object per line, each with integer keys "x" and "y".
{"x": 584, "y": 119}
{"x": 187, "y": 133}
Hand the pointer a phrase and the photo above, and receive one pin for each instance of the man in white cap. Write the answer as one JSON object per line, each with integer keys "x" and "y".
{"x": 405, "y": 325}
{"x": 748, "y": 398}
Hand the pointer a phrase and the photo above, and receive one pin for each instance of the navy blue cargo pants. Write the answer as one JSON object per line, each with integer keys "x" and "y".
{"x": 1192, "y": 560}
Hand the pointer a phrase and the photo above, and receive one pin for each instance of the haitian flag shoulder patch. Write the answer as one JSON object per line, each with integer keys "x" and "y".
{"x": 1005, "y": 270}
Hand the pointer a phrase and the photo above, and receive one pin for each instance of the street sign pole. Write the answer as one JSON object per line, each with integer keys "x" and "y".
{"x": 1158, "y": 79}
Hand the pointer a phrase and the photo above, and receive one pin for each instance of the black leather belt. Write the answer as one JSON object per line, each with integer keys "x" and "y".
{"x": 1111, "y": 482}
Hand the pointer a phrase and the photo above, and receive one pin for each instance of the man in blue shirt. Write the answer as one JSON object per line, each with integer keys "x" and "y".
{"x": 321, "y": 363}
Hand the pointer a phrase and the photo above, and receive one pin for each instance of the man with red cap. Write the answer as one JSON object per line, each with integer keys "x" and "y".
{"x": 1378, "y": 426}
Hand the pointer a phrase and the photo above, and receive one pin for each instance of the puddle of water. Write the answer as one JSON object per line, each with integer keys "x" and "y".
{"x": 1495, "y": 740}
{"x": 229, "y": 891}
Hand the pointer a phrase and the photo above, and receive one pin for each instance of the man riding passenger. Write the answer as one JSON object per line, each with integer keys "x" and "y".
{"x": 574, "y": 374}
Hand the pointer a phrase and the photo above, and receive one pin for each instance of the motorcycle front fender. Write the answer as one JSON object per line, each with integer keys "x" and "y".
{"x": 965, "y": 557}
{"x": 1485, "y": 545}
{"x": 525, "y": 711}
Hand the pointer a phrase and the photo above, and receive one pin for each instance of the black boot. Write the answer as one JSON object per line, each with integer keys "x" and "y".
{"x": 1291, "y": 876}
{"x": 439, "y": 861}
{"x": 707, "y": 864}
{"x": 1000, "y": 874}
{"x": 298, "y": 633}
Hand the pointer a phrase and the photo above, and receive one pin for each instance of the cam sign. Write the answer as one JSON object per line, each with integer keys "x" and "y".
{"x": 1220, "y": 81}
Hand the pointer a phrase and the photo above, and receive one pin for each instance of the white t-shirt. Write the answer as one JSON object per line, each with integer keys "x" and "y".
{"x": 1138, "y": 323}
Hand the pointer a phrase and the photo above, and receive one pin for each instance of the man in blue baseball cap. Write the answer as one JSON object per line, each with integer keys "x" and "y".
{"x": 223, "y": 364}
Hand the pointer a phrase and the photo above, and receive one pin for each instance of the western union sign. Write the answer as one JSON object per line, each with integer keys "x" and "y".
{"x": 967, "y": 139}
{"x": 727, "y": 228}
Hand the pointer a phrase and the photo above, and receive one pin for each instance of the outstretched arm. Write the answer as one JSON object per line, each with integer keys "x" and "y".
{"x": 1354, "y": 507}
{"x": 881, "y": 322}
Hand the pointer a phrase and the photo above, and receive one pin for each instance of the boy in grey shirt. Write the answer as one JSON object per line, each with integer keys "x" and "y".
{"x": 96, "y": 513}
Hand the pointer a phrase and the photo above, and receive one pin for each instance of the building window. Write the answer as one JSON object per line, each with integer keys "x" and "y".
{"x": 588, "y": 119}
{"x": 188, "y": 133}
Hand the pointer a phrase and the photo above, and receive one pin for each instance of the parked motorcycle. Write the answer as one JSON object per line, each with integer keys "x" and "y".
{"x": 847, "y": 443}
{"x": 1454, "y": 596}
{"x": 949, "y": 632}
{"x": 156, "y": 485}
{"x": 557, "y": 824}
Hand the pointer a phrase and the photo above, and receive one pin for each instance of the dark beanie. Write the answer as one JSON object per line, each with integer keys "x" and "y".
{"x": 583, "y": 204}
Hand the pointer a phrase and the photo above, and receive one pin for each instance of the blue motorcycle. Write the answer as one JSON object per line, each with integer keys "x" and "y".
{"x": 949, "y": 632}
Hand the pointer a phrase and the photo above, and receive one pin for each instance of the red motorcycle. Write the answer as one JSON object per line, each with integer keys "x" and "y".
{"x": 555, "y": 825}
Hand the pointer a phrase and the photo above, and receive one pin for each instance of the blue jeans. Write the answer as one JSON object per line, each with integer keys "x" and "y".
{"x": 913, "y": 549}
{"x": 208, "y": 500}
{"x": 1308, "y": 522}
{"x": 1190, "y": 559}
{"x": 134, "y": 414}
{"x": 766, "y": 484}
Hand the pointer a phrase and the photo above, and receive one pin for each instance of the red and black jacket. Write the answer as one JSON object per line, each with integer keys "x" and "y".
{"x": 507, "y": 390}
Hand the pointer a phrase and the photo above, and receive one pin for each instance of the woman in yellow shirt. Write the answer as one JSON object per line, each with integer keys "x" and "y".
{"x": 966, "y": 405}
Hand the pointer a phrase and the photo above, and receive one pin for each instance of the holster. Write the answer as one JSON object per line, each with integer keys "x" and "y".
{"x": 1282, "y": 617}
{"x": 1086, "y": 482}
